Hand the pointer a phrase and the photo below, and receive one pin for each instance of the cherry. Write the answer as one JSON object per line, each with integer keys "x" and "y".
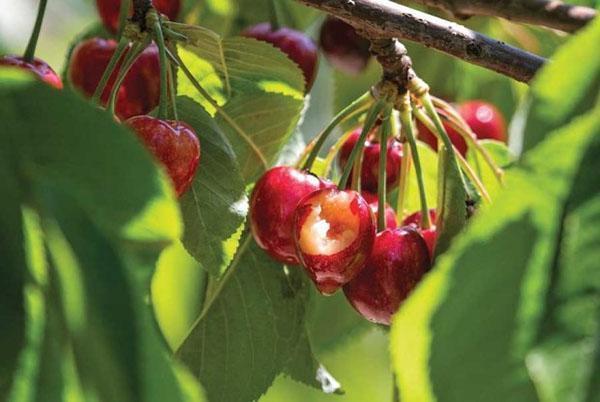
{"x": 483, "y": 118}
{"x": 334, "y": 232}
{"x": 109, "y": 11}
{"x": 344, "y": 48}
{"x": 430, "y": 234}
{"x": 390, "y": 215}
{"x": 272, "y": 205}
{"x": 398, "y": 261}
{"x": 174, "y": 144}
{"x": 295, "y": 44}
{"x": 140, "y": 92}
{"x": 370, "y": 164}
{"x": 38, "y": 67}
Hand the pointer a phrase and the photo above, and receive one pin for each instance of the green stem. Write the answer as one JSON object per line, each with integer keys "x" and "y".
{"x": 35, "y": 34}
{"x": 407, "y": 124}
{"x": 163, "y": 105}
{"x": 403, "y": 181}
{"x": 354, "y": 160}
{"x": 382, "y": 174}
{"x": 333, "y": 151}
{"x": 352, "y": 109}
{"x": 123, "y": 11}
{"x": 132, "y": 56}
{"x": 173, "y": 92}
{"x": 274, "y": 16}
{"x": 119, "y": 51}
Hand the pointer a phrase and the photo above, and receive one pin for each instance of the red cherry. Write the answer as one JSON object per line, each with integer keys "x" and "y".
{"x": 334, "y": 232}
{"x": 40, "y": 68}
{"x": 397, "y": 263}
{"x": 295, "y": 44}
{"x": 272, "y": 205}
{"x": 484, "y": 119}
{"x": 344, "y": 48}
{"x": 370, "y": 166}
{"x": 140, "y": 91}
{"x": 174, "y": 144}
{"x": 390, "y": 216}
{"x": 109, "y": 11}
{"x": 430, "y": 234}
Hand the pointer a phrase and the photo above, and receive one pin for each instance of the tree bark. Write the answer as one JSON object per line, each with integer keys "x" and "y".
{"x": 385, "y": 19}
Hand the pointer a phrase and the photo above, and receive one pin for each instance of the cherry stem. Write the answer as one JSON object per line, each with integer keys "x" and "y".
{"x": 407, "y": 125}
{"x": 403, "y": 181}
{"x": 352, "y": 109}
{"x": 355, "y": 159}
{"x": 384, "y": 132}
{"x": 333, "y": 151}
{"x": 131, "y": 57}
{"x": 119, "y": 51}
{"x": 125, "y": 6}
{"x": 274, "y": 16}
{"x": 458, "y": 123}
{"x": 35, "y": 34}
{"x": 173, "y": 91}
{"x": 427, "y": 122}
{"x": 163, "y": 105}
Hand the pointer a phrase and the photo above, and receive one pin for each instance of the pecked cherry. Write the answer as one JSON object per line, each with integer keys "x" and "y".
{"x": 140, "y": 92}
{"x": 174, "y": 144}
{"x": 429, "y": 234}
{"x": 370, "y": 164}
{"x": 272, "y": 205}
{"x": 40, "y": 68}
{"x": 390, "y": 216}
{"x": 344, "y": 48}
{"x": 398, "y": 261}
{"x": 484, "y": 119}
{"x": 334, "y": 232}
{"x": 109, "y": 11}
{"x": 295, "y": 44}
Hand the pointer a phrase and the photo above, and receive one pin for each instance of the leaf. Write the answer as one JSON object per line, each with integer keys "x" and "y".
{"x": 249, "y": 328}
{"x": 464, "y": 333}
{"x": 257, "y": 91}
{"x": 566, "y": 87}
{"x": 215, "y": 206}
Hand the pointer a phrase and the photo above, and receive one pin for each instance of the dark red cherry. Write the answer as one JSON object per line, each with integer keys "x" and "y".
{"x": 140, "y": 91}
{"x": 397, "y": 263}
{"x": 174, "y": 144}
{"x": 484, "y": 119}
{"x": 390, "y": 216}
{"x": 334, "y": 232}
{"x": 429, "y": 234}
{"x": 344, "y": 48}
{"x": 370, "y": 164}
{"x": 109, "y": 11}
{"x": 295, "y": 44}
{"x": 272, "y": 205}
{"x": 38, "y": 67}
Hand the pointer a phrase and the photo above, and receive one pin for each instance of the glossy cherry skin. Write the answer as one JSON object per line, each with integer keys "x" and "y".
{"x": 334, "y": 232}
{"x": 430, "y": 234}
{"x": 272, "y": 205}
{"x": 295, "y": 44}
{"x": 390, "y": 216}
{"x": 109, "y": 11}
{"x": 484, "y": 119}
{"x": 38, "y": 67}
{"x": 174, "y": 144}
{"x": 370, "y": 164}
{"x": 344, "y": 48}
{"x": 140, "y": 91}
{"x": 397, "y": 263}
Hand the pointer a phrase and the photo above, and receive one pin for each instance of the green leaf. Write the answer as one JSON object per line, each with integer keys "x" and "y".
{"x": 464, "y": 333}
{"x": 257, "y": 91}
{"x": 566, "y": 87}
{"x": 249, "y": 328}
{"x": 215, "y": 206}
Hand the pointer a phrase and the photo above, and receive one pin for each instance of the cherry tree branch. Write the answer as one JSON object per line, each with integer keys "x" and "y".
{"x": 386, "y": 19}
{"x": 548, "y": 13}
